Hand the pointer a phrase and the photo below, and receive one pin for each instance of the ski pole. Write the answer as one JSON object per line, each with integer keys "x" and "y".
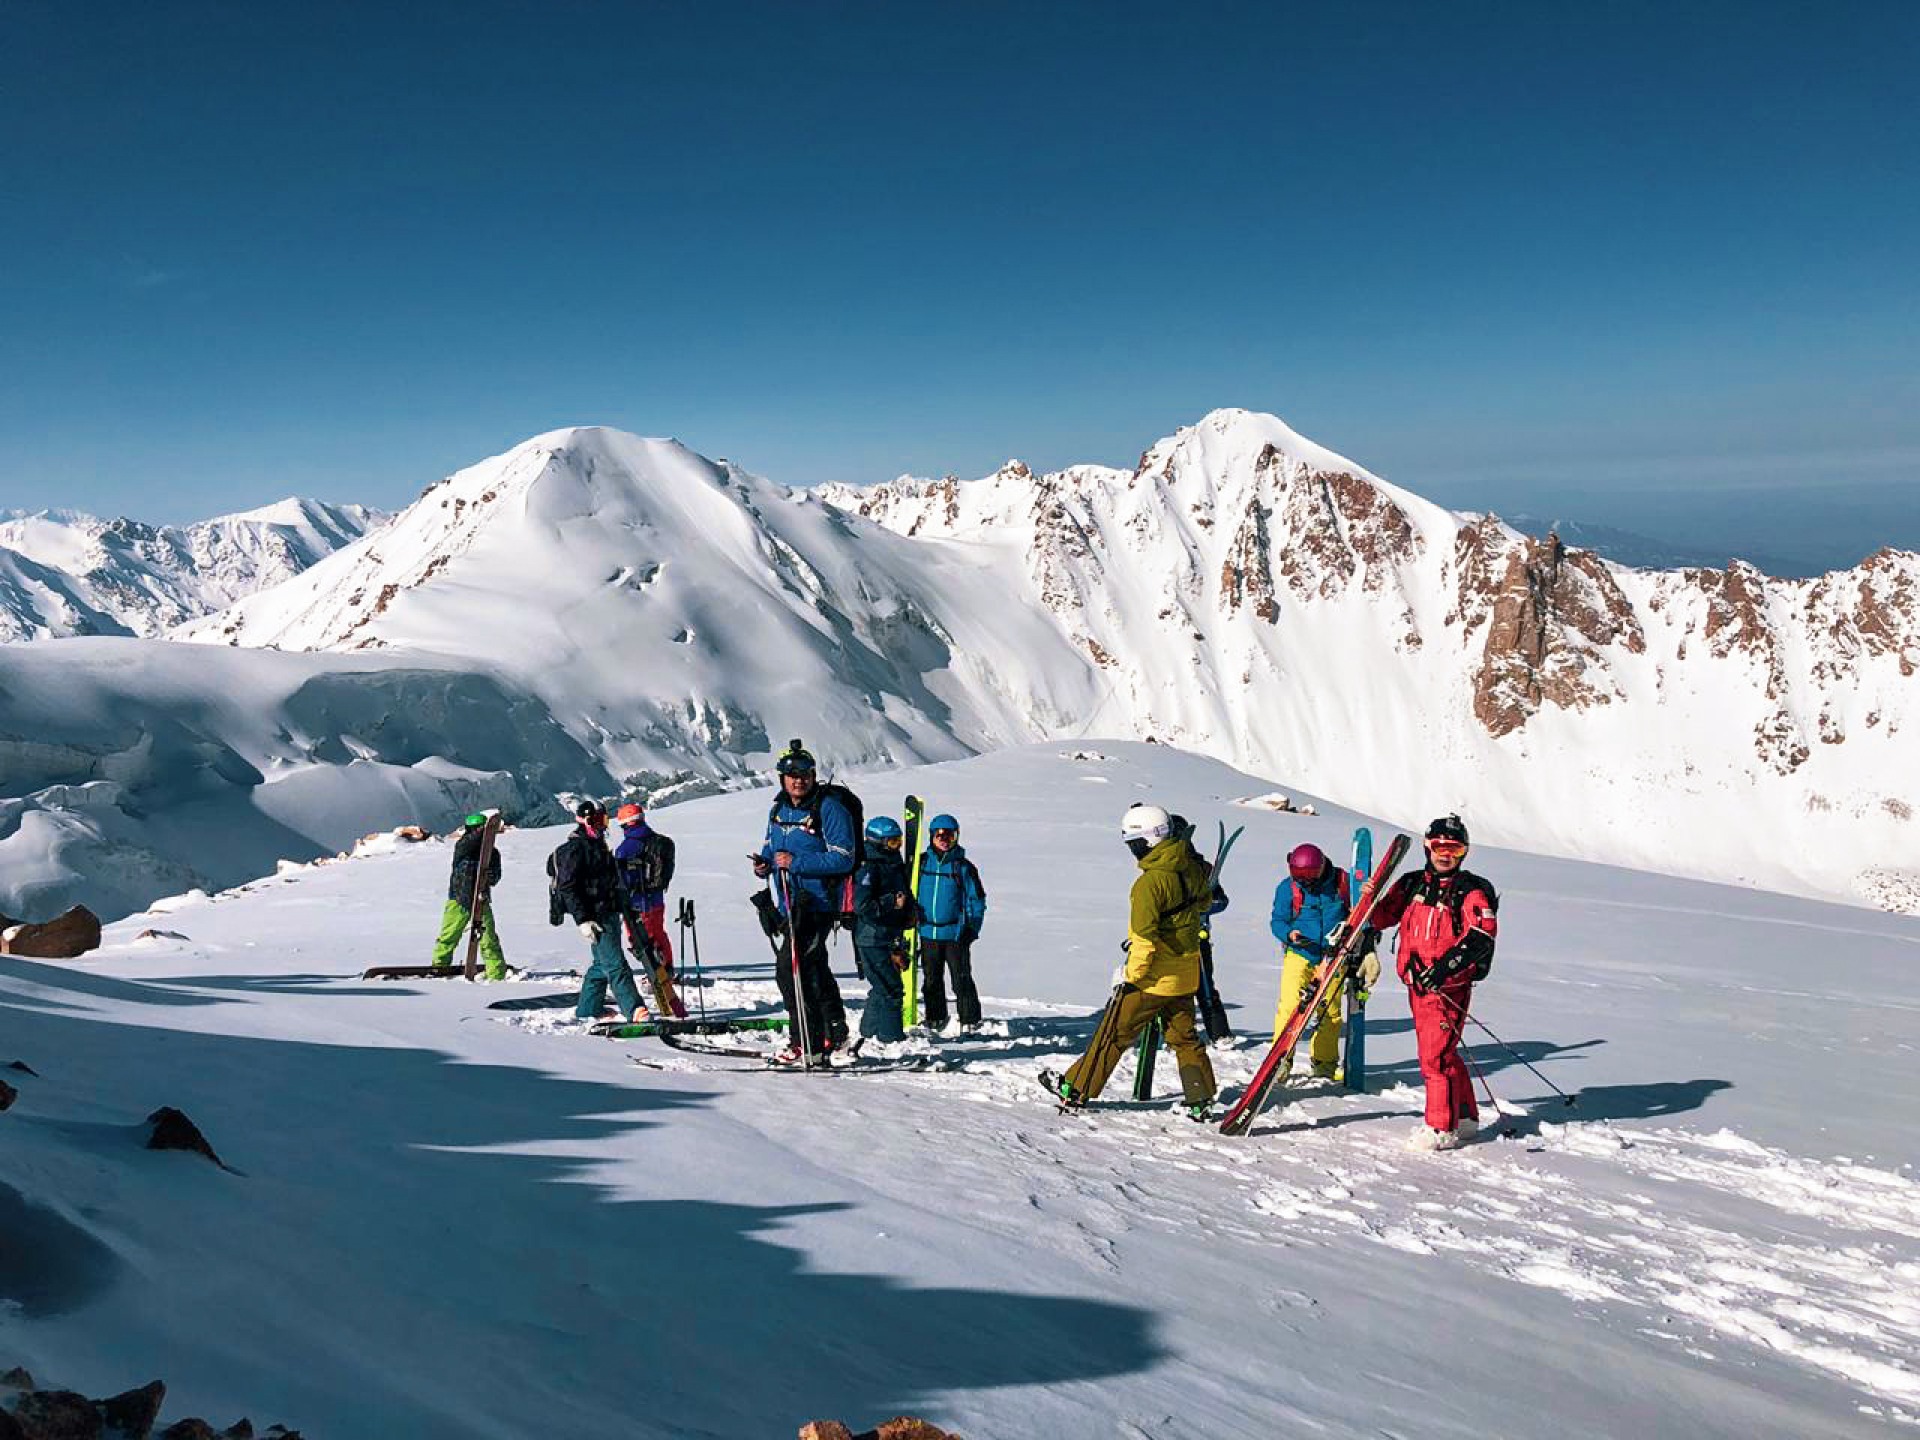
{"x": 1565, "y": 1098}
{"x": 799, "y": 986}
{"x": 689, "y": 929}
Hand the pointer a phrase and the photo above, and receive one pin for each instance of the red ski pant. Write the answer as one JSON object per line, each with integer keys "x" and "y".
{"x": 1437, "y": 1022}
{"x": 654, "y": 922}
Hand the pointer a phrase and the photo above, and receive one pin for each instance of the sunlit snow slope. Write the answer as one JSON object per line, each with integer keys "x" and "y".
{"x": 459, "y": 1221}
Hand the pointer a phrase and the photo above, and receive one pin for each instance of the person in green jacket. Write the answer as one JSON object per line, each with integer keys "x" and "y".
{"x": 1166, "y": 914}
{"x": 454, "y": 919}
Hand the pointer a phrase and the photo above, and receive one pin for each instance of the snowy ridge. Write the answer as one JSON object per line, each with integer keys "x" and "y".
{"x": 66, "y": 573}
{"x": 1242, "y": 593}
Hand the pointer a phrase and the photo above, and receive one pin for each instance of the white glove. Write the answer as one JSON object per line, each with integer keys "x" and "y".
{"x": 1119, "y": 977}
{"x": 1369, "y": 971}
{"x": 591, "y": 931}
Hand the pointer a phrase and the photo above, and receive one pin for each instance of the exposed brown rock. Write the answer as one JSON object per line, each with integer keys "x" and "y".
{"x": 192, "y": 1428}
{"x": 906, "y": 1427}
{"x": 172, "y": 1130}
{"x": 1555, "y": 612}
{"x": 7, "y": 1095}
{"x": 1246, "y": 576}
{"x": 62, "y": 938}
{"x": 16, "y": 1379}
{"x": 132, "y": 1412}
{"x": 56, "y": 1415}
{"x": 825, "y": 1430}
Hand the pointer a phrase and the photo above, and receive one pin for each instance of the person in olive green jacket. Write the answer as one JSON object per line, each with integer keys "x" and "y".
{"x": 1167, "y": 911}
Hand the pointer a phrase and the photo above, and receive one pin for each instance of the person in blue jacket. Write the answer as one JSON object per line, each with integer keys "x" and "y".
{"x": 953, "y": 906}
{"x": 883, "y": 912}
{"x": 809, "y": 854}
{"x": 1308, "y": 905}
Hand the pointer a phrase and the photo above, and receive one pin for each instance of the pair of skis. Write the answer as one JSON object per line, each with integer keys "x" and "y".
{"x": 914, "y": 823}
{"x": 1332, "y": 970}
{"x": 1213, "y": 1010}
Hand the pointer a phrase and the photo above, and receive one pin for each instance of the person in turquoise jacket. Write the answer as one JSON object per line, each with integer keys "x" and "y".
{"x": 1309, "y": 904}
{"x": 953, "y": 907}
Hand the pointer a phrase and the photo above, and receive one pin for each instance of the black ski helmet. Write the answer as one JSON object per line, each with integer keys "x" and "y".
{"x": 1447, "y": 827}
{"x": 797, "y": 761}
{"x": 590, "y": 810}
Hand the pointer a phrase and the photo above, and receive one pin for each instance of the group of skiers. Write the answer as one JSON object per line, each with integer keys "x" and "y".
{"x": 1447, "y": 919}
{"x": 826, "y": 865}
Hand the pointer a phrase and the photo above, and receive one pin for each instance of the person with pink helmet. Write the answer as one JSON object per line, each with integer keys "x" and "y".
{"x": 1310, "y": 903}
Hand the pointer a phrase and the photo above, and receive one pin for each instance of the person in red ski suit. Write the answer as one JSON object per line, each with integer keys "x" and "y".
{"x": 1448, "y": 918}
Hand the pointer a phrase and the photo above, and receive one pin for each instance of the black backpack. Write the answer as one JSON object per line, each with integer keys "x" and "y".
{"x": 856, "y": 812}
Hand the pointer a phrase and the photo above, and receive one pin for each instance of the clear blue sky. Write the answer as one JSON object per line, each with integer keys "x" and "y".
{"x": 1604, "y": 261}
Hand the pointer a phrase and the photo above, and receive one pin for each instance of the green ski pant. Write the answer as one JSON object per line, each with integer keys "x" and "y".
{"x": 1121, "y": 1025}
{"x": 453, "y": 924}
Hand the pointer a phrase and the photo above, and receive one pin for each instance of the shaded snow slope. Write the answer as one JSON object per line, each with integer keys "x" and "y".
{"x": 123, "y": 577}
{"x": 137, "y": 768}
{"x": 1724, "y": 1240}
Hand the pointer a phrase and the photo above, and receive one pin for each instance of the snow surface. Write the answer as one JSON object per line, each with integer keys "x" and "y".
{"x": 455, "y": 1221}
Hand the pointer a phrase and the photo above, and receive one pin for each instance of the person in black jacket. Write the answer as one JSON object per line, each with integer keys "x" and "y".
{"x": 585, "y": 885}
{"x": 460, "y": 896}
{"x": 883, "y": 912}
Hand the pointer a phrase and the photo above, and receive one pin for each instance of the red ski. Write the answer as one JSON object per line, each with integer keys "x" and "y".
{"x": 1239, "y": 1120}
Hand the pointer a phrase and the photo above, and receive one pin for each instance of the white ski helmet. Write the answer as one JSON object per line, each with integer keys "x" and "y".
{"x": 1146, "y": 822}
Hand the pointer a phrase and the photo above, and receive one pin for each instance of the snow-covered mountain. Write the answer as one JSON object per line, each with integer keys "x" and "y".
{"x": 686, "y": 617}
{"x": 1242, "y": 592}
{"x": 65, "y": 573}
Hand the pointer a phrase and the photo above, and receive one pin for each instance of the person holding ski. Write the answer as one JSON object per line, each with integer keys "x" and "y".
{"x": 1309, "y": 908}
{"x": 1166, "y": 911}
{"x": 462, "y": 889}
{"x": 809, "y": 853}
{"x": 883, "y": 912}
{"x": 953, "y": 906}
{"x": 1448, "y": 918}
{"x": 584, "y": 885}
{"x": 645, "y": 858}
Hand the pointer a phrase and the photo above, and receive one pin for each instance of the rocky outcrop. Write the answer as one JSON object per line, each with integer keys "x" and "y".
{"x": 901, "y": 1427}
{"x": 1552, "y": 618}
{"x": 64, "y": 937}
{"x": 28, "y": 1412}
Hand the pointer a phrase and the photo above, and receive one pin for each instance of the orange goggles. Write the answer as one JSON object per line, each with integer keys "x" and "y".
{"x": 1446, "y": 847}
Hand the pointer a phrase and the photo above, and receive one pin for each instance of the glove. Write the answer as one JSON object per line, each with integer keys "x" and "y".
{"x": 1368, "y": 970}
{"x": 900, "y": 961}
{"x": 1119, "y": 979}
{"x": 591, "y": 931}
{"x": 1421, "y": 977}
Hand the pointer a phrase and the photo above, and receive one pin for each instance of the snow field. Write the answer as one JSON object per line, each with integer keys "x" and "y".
{"x": 1723, "y": 1240}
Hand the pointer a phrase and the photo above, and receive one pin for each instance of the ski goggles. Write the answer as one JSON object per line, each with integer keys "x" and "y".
{"x": 1447, "y": 849}
{"x": 950, "y": 834}
{"x": 892, "y": 842}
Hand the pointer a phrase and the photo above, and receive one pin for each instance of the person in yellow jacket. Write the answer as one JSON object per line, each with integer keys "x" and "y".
{"x": 1167, "y": 911}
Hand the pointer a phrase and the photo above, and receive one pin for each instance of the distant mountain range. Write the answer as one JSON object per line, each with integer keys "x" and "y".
{"x": 64, "y": 573}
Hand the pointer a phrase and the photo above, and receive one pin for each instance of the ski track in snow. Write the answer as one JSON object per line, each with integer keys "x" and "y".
{"x": 1711, "y": 1236}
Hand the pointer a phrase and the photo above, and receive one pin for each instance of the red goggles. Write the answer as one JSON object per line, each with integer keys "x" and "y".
{"x": 1446, "y": 847}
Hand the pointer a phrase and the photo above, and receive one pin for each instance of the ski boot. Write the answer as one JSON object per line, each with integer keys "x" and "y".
{"x": 1200, "y": 1113}
{"x": 1326, "y": 1070}
{"x": 1063, "y": 1094}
